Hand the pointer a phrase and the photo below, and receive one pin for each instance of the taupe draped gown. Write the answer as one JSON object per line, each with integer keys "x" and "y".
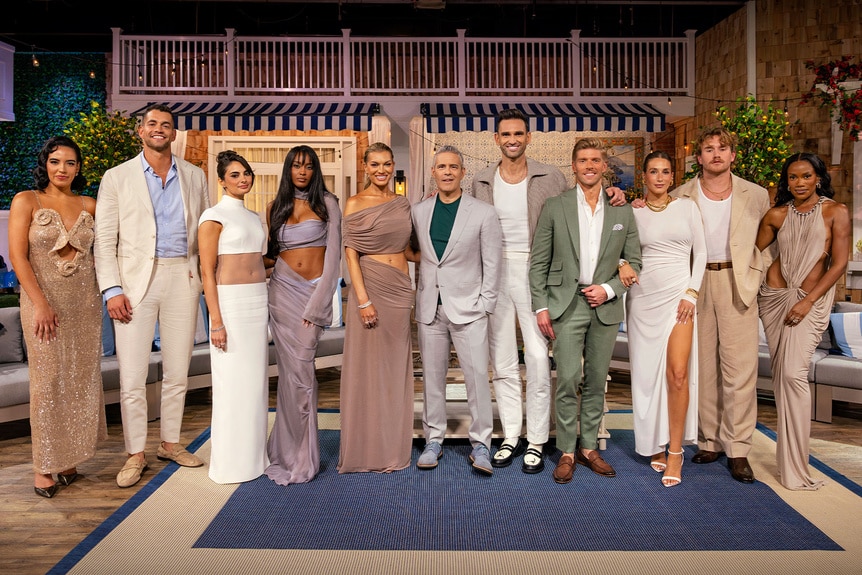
{"x": 377, "y": 372}
{"x": 801, "y": 240}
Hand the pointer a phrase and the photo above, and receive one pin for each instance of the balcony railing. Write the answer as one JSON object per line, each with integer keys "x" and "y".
{"x": 268, "y": 67}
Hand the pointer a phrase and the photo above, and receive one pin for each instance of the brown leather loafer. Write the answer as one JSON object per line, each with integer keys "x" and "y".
{"x": 706, "y": 456}
{"x": 596, "y": 464}
{"x": 565, "y": 469}
{"x": 740, "y": 469}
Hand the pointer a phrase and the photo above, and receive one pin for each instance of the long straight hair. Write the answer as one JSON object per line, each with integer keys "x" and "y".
{"x": 282, "y": 206}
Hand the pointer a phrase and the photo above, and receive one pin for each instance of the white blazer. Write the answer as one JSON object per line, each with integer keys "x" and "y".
{"x": 125, "y": 242}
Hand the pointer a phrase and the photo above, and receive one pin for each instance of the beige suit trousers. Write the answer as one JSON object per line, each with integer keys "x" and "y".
{"x": 727, "y": 334}
{"x": 173, "y": 300}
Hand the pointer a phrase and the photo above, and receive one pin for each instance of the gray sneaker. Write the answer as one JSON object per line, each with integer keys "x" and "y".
{"x": 481, "y": 459}
{"x": 432, "y": 452}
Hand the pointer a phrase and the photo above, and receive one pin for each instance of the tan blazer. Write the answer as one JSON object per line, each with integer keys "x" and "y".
{"x": 750, "y": 203}
{"x": 125, "y": 242}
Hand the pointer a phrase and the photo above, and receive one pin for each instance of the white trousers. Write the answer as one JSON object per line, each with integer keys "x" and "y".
{"x": 514, "y": 302}
{"x": 174, "y": 302}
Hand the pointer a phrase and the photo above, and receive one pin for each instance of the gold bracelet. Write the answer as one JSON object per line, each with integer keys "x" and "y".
{"x": 692, "y": 292}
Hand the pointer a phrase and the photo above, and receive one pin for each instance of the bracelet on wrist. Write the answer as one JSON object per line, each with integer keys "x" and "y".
{"x": 622, "y": 263}
{"x": 216, "y": 328}
{"x": 364, "y": 305}
{"x": 692, "y": 292}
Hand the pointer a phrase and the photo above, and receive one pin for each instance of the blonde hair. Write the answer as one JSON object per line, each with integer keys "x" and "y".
{"x": 590, "y": 144}
{"x": 373, "y": 149}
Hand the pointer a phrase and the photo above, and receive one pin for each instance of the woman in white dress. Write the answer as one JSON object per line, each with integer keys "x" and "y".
{"x": 232, "y": 241}
{"x": 660, "y": 320}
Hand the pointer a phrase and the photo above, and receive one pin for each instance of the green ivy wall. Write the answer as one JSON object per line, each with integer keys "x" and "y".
{"x": 46, "y": 97}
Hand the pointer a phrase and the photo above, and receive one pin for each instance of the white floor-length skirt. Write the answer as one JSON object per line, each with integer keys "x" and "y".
{"x": 240, "y": 386}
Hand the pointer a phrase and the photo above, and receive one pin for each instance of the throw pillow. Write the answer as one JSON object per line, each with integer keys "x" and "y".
{"x": 847, "y": 328}
{"x": 11, "y": 335}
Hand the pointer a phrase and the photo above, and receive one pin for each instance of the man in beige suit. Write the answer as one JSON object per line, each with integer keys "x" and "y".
{"x": 727, "y": 305}
{"x": 146, "y": 254}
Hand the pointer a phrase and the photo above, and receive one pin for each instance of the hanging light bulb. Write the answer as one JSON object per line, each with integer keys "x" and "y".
{"x": 203, "y": 62}
{"x": 92, "y": 74}
{"x": 35, "y": 60}
{"x": 669, "y": 103}
{"x": 140, "y": 75}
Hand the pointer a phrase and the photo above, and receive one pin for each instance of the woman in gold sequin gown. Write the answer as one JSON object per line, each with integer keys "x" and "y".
{"x": 51, "y": 250}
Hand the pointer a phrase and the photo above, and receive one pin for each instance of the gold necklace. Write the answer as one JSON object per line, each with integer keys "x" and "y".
{"x": 658, "y": 208}
{"x": 718, "y": 195}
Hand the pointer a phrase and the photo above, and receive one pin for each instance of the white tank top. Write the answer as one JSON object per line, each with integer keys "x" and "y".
{"x": 510, "y": 200}
{"x": 716, "y": 226}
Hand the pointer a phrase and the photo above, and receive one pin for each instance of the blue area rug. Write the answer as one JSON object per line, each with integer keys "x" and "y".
{"x": 453, "y": 508}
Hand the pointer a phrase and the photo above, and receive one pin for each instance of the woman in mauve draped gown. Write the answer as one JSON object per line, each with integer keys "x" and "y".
{"x": 660, "y": 320}
{"x": 305, "y": 242}
{"x": 51, "y": 231}
{"x": 377, "y": 371}
{"x": 812, "y": 233}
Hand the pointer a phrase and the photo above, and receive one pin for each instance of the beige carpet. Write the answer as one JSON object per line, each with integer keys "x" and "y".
{"x": 157, "y": 538}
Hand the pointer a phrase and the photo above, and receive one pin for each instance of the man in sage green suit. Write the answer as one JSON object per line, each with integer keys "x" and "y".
{"x": 579, "y": 245}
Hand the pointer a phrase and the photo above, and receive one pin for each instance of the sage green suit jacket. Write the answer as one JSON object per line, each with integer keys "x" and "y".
{"x": 555, "y": 257}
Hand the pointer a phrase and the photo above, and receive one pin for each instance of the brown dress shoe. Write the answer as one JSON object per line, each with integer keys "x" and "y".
{"x": 565, "y": 469}
{"x": 706, "y": 456}
{"x": 740, "y": 469}
{"x": 596, "y": 464}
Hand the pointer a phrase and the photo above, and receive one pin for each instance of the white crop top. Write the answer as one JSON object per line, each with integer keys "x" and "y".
{"x": 242, "y": 231}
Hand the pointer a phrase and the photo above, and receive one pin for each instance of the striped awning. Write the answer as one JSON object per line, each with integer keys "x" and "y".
{"x": 272, "y": 116}
{"x": 562, "y": 117}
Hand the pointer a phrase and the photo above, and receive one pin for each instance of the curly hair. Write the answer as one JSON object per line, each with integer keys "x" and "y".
{"x": 40, "y": 172}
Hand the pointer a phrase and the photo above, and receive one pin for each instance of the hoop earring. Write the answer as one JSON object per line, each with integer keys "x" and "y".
{"x": 818, "y": 185}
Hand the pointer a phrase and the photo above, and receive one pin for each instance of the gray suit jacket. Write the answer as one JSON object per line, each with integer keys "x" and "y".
{"x": 750, "y": 204}
{"x": 125, "y": 242}
{"x": 467, "y": 276}
{"x": 555, "y": 260}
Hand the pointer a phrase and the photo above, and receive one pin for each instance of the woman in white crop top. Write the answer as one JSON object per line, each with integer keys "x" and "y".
{"x": 232, "y": 241}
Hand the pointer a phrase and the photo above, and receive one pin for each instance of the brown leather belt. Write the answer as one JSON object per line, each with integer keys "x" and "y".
{"x": 715, "y": 266}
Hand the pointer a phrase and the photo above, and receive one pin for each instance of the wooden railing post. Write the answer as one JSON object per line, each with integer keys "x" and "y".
{"x": 230, "y": 59}
{"x": 689, "y": 59}
{"x": 346, "y": 59}
{"x": 116, "y": 63}
{"x": 576, "y": 58}
{"x": 462, "y": 62}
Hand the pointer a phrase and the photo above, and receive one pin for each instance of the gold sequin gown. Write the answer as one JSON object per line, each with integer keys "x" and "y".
{"x": 67, "y": 406}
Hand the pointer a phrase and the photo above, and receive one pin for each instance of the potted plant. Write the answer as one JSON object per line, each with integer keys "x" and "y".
{"x": 763, "y": 142}
{"x": 106, "y": 140}
{"x": 838, "y": 87}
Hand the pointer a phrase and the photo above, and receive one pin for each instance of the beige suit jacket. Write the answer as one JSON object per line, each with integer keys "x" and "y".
{"x": 125, "y": 242}
{"x": 750, "y": 203}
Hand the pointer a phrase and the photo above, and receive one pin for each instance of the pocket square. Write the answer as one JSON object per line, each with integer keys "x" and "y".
{"x": 618, "y": 227}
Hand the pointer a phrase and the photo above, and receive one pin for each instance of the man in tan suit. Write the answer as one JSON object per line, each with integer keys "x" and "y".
{"x": 727, "y": 328}
{"x": 146, "y": 255}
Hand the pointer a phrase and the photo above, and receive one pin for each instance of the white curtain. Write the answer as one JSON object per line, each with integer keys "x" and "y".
{"x": 421, "y": 154}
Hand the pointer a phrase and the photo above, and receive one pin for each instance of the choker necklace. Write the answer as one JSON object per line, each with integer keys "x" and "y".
{"x": 809, "y": 212}
{"x": 658, "y": 208}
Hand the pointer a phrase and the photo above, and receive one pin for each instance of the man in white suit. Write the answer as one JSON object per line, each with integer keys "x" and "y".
{"x": 460, "y": 240}
{"x": 146, "y": 254}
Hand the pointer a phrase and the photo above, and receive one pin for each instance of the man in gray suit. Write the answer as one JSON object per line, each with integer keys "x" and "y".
{"x": 460, "y": 241}
{"x": 146, "y": 255}
{"x": 580, "y": 243}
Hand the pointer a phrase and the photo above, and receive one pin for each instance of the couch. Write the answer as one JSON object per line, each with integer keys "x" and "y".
{"x": 14, "y": 373}
{"x": 835, "y": 372}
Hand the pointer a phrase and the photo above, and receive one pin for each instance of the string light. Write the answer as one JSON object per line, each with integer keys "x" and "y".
{"x": 92, "y": 74}
{"x": 669, "y": 103}
{"x": 35, "y": 60}
{"x": 140, "y": 74}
